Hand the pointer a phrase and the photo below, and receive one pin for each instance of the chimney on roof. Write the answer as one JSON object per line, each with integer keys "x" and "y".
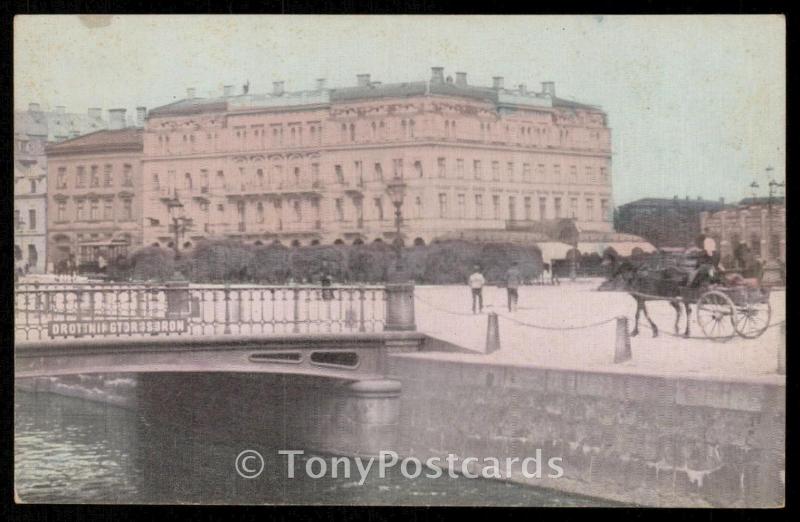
{"x": 60, "y": 109}
{"x": 320, "y": 84}
{"x": 227, "y": 90}
{"x": 523, "y": 89}
{"x": 461, "y": 79}
{"x": 116, "y": 119}
{"x": 141, "y": 114}
{"x": 34, "y": 107}
{"x": 277, "y": 88}
{"x": 437, "y": 74}
{"x": 549, "y": 88}
{"x": 95, "y": 113}
{"x": 190, "y": 92}
{"x": 362, "y": 80}
{"x": 497, "y": 82}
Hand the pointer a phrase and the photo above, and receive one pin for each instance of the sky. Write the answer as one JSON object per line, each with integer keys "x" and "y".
{"x": 696, "y": 104}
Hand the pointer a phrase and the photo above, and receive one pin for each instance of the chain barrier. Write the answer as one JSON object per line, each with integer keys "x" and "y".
{"x": 522, "y": 323}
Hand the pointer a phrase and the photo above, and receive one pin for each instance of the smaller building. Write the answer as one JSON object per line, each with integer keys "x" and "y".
{"x": 30, "y": 216}
{"x": 95, "y": 196}
{"x": 757, "y": 225}
{"x": 665, "y": 222}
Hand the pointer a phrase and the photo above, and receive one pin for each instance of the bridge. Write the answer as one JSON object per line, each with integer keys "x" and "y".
{"x": 342, "y": 332}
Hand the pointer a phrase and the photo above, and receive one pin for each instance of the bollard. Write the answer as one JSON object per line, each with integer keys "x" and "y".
{"x": 622, "y": 345}
{"x": 492, "y": 334}
{"x": 782, "y": 350}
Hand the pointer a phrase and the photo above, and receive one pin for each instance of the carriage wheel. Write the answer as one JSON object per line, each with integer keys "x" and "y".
{"x": 715, "y": 314}
{"x": 751, "y": 316}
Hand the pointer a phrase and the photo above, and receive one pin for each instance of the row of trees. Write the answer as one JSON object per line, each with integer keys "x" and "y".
{"x": 444, "y": 262}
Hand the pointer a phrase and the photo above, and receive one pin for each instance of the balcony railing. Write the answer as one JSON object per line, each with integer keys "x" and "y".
{"x": 53, "y": 311}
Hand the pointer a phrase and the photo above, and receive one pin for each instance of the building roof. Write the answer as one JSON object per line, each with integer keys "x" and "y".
{"x": 760, "y": 201}
{"x": 689, "y": 204}
{"x": 129, "y": 138}
{"x": 372, "y": 90}
{"x": 54, "y": 125}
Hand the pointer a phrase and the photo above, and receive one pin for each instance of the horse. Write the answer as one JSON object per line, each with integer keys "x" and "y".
{"x": 645, "y": 283}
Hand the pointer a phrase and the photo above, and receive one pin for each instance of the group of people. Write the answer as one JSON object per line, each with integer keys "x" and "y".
{"x": 513, "y": 280}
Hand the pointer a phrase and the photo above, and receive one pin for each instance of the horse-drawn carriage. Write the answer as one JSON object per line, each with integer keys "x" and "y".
{"x": 727, "y": 304}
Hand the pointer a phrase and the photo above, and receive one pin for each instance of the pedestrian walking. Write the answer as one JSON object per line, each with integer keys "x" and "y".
{"x": 513, "y": 280}
{"x": 476, "y": 282}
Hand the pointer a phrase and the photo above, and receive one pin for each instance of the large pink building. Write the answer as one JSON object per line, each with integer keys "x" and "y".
{"x": 312, "y": 166}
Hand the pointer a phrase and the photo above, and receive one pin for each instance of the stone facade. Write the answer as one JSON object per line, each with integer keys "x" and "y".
{"x": 33, "y": 130}
{"x": 750, "y": 223}
{"x": 94, "y": 197}
{"x": 313, "y": 166}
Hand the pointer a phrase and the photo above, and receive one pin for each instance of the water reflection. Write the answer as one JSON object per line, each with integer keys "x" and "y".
{"x": 71, "y": 450}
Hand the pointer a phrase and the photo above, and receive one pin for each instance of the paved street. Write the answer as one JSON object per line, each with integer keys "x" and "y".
{"x": 577, "y": 304}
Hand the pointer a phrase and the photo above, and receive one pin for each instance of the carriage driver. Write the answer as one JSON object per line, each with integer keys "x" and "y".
{"x": 709, "y": 255}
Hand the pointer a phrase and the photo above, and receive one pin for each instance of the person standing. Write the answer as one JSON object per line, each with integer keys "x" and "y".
{"x": 476, "y": 282}
{"x": 710, "y": 248}
{"x": 513, "y": 280}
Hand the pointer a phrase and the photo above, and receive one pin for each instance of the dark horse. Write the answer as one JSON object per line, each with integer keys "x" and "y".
{"x": 646, "y": 278}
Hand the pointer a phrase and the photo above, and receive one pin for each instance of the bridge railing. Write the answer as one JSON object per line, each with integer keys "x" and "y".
{"x": 60, "y": 311}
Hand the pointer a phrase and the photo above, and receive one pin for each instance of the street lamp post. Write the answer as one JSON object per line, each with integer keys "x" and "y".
{"x": 180, "y": 223}
{"x": 397, "y": 193}
{"x": 772, "y": 269}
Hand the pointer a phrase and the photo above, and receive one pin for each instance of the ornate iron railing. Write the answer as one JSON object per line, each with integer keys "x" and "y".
{"x": 62, "y": 310}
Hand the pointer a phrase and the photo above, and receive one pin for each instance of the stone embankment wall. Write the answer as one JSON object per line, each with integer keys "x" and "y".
{"x": 639, "y": 439}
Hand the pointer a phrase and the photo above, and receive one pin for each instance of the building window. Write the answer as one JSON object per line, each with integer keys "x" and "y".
{"x": 604, "y": 208}
{"x": 379, "y": 208}
{"x": 81, "y": 182}
{"x": 127, "y": 175}
{"x": 512, "y": 208}
{"x": 510, "y": 171}
{"x": 540, "y": 175}
{"x": 442, "y": 167}
{"x": 443, "y": 205}
{"x": 397, "y": 165}
{"x": 62, "y": 178}
{"x": 573, "y": 173}
{"x": 378, "y": 172}
{"x": 108, "y": 210}
{"x": 94, "y": 210}
{"x": 33, "y": 186}
{"x": 108, "y": 179}
{"x": 339, "y": 209}
{"x": 298, "y": 212}
{"x": 557, "y": 207}
{"x": 527, "y": 203}
{"x": 62, "y": 211}
{"x": 496, "y": 206}
{"x": 315, "y": 174}
{"x": 542, "y": 208}
{"x": 187, "y": 181}
{"x": 526, "y": 172}
{"x": 589, "y": 175}
{"x": 156, "y": 184}
{"x": 418, "y": 207}
{"x": 496, "y": 170}
{"x": 418, "y": 168}
{"x": 358, "y": 166}
{"x": 557, "y": 173}
{"x": 127, "y": 209}
{"x": 80, "y": 211}
{"x": 460, "y": 168}
{"x": 604, "y": 174}
{"x": 95, "y": 177}
{"x": 297, "y": 180}
{"x": 478, "y": 206}
{"x": 589, "y": 209}
{"x": 31, "y": 219}
{"x": 573, "y": 207}
{"x": 461, "y": 206}
{"x": 476, "y": 166}
{"x": 16, "y": 219}
{"x": 352, "y": 132}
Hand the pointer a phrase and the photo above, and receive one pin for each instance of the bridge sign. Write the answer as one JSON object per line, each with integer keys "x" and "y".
{"x": 116, "y": 327}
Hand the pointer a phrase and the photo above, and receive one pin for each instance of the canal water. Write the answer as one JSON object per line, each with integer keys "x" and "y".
{"x": 71, "y": 450}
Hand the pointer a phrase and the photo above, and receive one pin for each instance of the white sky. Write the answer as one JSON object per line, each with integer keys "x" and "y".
{"x": 696, "y": 104}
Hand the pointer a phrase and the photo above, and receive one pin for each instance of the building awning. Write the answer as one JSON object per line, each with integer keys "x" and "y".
{"x": 623, "y": 248}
